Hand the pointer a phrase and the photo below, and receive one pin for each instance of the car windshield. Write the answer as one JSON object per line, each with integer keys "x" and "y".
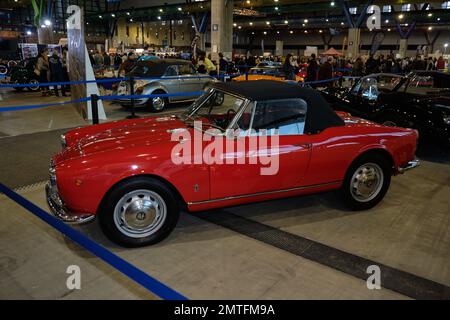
{"x": 146, "y": 70}
{"x": 382, "y": 83}
{"x": 215, "y": 108}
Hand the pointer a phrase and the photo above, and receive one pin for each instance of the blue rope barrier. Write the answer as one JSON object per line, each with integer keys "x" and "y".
{"x": 145, "y": 280}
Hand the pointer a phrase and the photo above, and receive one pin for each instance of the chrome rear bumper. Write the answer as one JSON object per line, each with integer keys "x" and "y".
{"x": 410, "y": 165}
{"x": 58, "y": 209}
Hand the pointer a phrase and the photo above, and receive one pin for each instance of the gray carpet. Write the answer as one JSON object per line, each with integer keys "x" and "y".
{"x": 25, "y": 159}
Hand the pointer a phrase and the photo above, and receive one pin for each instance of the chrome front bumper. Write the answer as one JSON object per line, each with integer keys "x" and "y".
{"x": 59, "y": 210}
{"x": 410, "y": 165}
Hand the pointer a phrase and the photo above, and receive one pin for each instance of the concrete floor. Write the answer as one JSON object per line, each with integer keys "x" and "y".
{"x": 203, "y": 259}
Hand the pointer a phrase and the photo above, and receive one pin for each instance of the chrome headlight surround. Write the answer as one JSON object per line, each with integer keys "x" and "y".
{"x": 63, "y": 141}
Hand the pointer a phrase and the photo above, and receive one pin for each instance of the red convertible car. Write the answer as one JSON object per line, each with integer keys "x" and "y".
{"x": 136, "y": 178}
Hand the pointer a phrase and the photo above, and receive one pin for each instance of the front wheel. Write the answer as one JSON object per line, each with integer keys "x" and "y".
{"x": 139, "y": 212}
{"x": 157, "y": 104}
{"x": 366, "y": 182}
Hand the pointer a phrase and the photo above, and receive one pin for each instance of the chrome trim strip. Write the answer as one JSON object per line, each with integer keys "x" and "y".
{"x": 265, "y": 192}
{"x": 410, "y": 165}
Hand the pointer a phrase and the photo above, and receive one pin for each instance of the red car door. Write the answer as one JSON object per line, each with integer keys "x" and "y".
{"x": 264, "y": 162}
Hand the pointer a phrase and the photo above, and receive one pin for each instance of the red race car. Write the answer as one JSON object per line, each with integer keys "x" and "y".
{"x": 240, "y": 142}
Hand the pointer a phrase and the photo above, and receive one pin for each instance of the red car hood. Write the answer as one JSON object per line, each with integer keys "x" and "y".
{"x": 130, "y": 133}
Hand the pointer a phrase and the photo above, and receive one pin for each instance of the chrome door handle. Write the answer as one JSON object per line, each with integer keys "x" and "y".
{"x": 304, "y": 145}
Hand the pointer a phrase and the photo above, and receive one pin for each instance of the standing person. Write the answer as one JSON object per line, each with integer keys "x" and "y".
{"x": 430, "y": 64}
{"x": 358, "y": 68}
{"x": 117, "y": 61}
{"x": 209, "y": 66}
{"x": 288, "y": 68}
{"x": 440, "y": 63}
{"x": 128, "y": 64}
{"x": 223, "y": 64}
{"x": 56, "y": 72}
{"x": 42, "y": 68}
{"x": 326, "y": 70}
{"x": 106, "y": 60}
{"x": 311, "y": 71}
{"x": 65, "y": 60}
{"x": 98, "y": 59}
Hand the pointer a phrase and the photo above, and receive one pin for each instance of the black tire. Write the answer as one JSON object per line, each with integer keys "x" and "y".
{"x": 348, "y": 192}
{"x": 153, "y": 107}
{"x": 108, "y": 218}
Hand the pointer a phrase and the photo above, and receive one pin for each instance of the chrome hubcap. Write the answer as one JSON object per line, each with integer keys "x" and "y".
{"x": 366, "y": 182}
{"x": 158, "y": 103}
{"x": 140, "y": 213}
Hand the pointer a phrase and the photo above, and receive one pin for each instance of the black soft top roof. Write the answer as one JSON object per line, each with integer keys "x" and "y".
{"x": 319, "y": 116}
{"x": 157, "y": 67}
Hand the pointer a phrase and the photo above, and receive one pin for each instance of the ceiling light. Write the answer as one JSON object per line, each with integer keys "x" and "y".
{"x": 160, "y": 10}
{"x": 128, "y": 13}
{"x": 28, "y": 32}
{"x": 320, "y": 31}
{"x": 389, "y": 29}
{"x": 332, "y": 3}
{"x": 113, "y": 15}
{"x": 303, "y": 24}
{"x": 47, "y": 22}
{"x": 342, "y": 23}
{"x": 291, "y": 32}
{"x": 276, "y": 8}
{"x": 159, "y": 17}
{"x": 445, "y": 45}
{"x": 265, "y": 32}
{"x": 267, "y": 22}
{"x": 179, "y": 9}
{"x": 248, "y": 1}
{"x": 250, "y": 23}
{"x": 327, "y": 20}
{"x": 430, "y": 28}
{"x": 239, "y": 27}
{"x": 234, "y": 24}
{"x": 305, "y": 21}
{"x": 278, "y": 32}
{"x": 306, "y": 31}
{"x": 438, "y": 19}
{"x": 286, "y": 22}
{"x": 100, "y": 17}
{"x": 400, "y": 16}
{"x": 430, "y": 14}
{"x": 275, "y": 0}
{"x": 387, "y": 21}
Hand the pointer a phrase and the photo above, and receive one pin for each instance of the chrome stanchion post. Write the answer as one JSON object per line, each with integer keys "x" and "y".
{"x": 94, "y": 107}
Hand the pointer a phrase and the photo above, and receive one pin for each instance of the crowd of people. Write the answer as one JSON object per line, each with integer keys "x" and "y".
{"x": 52, "y": 68}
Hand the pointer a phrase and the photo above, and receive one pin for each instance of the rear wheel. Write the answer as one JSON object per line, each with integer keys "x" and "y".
{"x": 366, "y": 181}
{"x": 157, "y": 104}
{"x": 139, "y": 212}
